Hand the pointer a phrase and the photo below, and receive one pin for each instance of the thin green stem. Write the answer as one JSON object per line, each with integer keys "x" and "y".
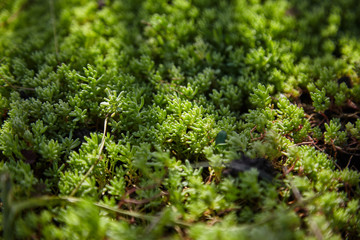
{"x": 52, "y": 200}
{"x": 102, "y": 144}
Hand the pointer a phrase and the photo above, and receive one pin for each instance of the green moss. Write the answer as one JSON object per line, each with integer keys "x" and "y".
{"x": 122, "y": 119}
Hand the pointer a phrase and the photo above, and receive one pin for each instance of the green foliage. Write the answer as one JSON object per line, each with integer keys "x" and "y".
{"x": 332, "y": 134}
{"x": 321, "y": 102}
{"x": 121, "y": 119}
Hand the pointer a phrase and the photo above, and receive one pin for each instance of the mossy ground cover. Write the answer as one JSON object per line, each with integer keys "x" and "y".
{"x": 180, "y": 119}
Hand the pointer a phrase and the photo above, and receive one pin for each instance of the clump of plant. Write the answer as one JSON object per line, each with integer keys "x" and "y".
{"x": 179, "y": 119}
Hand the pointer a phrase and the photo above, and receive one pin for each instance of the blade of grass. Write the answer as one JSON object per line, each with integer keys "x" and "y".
{"x": 95, "y": 163}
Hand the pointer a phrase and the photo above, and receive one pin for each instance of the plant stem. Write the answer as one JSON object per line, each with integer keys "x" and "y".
{"x": 95, "y": 163}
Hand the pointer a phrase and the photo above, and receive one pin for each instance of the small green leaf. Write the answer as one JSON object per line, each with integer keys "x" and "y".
{"x": 220, "y": 137}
